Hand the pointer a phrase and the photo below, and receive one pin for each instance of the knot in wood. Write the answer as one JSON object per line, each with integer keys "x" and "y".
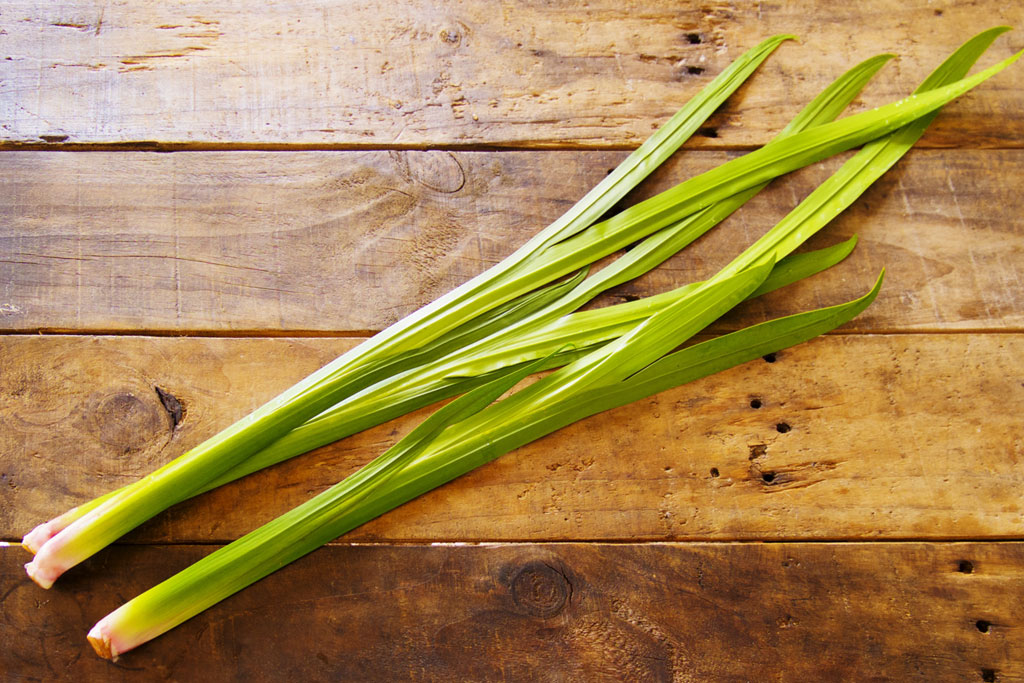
{"x": 125, "y": 423}
{"x": 438, "y": 170}
{"x": 540, "y": 590}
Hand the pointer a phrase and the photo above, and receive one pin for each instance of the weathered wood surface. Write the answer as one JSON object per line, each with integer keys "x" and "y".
{"x": 415, "y": 73}
{"x": 328, "y": 242}
{"x": 553, "y": 612}
{"x": 903, "y": 427}
{"x": 862, "y": 436}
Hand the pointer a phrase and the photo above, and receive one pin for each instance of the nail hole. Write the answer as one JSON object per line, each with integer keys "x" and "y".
{"x": 769, "y": 358}
{"x": 755, "y": 403}
{"x": 983, "y": 625}
{"x": 768, "y": 477}
{"x": 988, "y": 675}
{"x": 694, "y": 38}
{"x": 708, "y": 132}
{"x": 714, "y": 471}
{"x": 696, "y": 70}
{"x": 966, "y": 567}
{"x": 782, "y": 428}
{"x": 610, "y": 170}
{"x": 938, "y": 13}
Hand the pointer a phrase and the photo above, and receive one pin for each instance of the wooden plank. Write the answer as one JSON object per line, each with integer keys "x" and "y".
{"x": 552, "y": 612}
{"x": 321, "y": 242}
{"x": 859, "y": 436}
{"x": 593, "y": 73}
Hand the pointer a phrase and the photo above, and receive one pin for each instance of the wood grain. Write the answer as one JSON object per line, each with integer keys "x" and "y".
{"x": 552, "y": 612}
{"x": 595, "y": 73}
{"x": 320, "y": 242}
{"x": 862, "y": 436}
{"x": 849, "y": 510}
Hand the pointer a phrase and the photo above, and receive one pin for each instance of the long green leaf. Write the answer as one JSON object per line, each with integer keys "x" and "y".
{"x": 617, "y": 372}
{"x": 308, "y": 527}
{"x": 849, "y": 182}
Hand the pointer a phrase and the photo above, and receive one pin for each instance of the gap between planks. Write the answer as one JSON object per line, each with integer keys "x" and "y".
{"x": 171, "y": 147}
{"x": 945, "y": 541}
{"x": 366, "y": 334}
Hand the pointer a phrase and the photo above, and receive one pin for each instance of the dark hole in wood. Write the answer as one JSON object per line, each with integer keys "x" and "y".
{"x": 714, "y": 471}
{"x": 983, "y": 625}
{"x": 696, "y": 71}
{"x": 768, "y": 477}
{"x": 938, "y": 13}
{"x": 610, "y": 170}
{"x": 694, "y": 38}
{"x": 782, "y": 428}
{"x": 965, "y": 567}
{"x": 755, "y": 403}
{"x": 708, "y": 132}
{"x": 172, "y": 405}
{"x": 988, "y": 675}
{"x": 769, "y": 358}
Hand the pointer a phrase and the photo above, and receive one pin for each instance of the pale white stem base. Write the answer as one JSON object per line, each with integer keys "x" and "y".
{"x": 107, "y": 638}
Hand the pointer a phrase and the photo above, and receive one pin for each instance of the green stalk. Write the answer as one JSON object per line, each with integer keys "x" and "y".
{"x": 621, "y": 371}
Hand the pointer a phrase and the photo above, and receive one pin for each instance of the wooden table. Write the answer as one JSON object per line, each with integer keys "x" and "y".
{"x": 332, "y": 167}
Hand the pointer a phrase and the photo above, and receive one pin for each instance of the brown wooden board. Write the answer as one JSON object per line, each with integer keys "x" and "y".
{"x": 551, "y": 612}
{"x": 322, "y": 242}
{"x": 855, "y": 436}
{"x": 595, "y": 73}
{"x": 848, "y": 511}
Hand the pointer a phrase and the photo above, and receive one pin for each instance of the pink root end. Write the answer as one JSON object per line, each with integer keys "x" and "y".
{"x": 43, "y": 576}
{"x": 100, "y": 641}
{"x": 104, "y": 638}
{"x": 35, "y": 539}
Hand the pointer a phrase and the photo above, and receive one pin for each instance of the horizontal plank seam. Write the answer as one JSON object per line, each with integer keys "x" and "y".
{"x": 364, "y": 334}
{"x": 945, "y": 540}
{"x": 169, "y": 147}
